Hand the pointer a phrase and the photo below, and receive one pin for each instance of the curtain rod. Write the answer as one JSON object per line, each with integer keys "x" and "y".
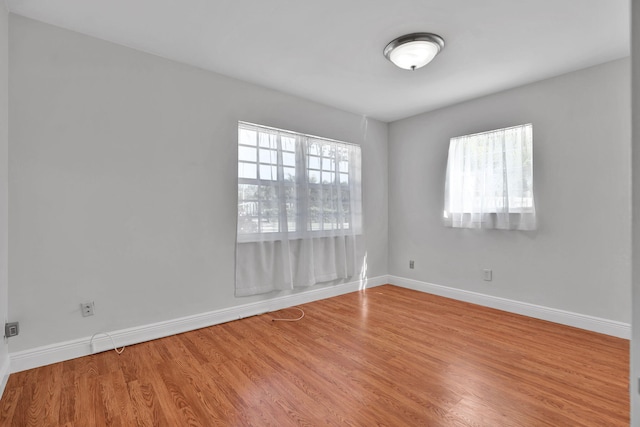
{"x": 249, "y": 124}
{"x": 492, "y": 131}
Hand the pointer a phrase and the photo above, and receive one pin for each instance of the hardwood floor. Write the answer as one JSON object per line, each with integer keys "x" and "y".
{"x": 384, "y": 356}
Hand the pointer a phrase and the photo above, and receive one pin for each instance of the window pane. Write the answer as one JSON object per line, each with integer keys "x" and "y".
{"x": 314, "y": 149}
{"x": 268, "y": 172}
{"x": 268, "y": 156}
{"x": 315, "y": 209}
{"x": 247, "y": 137}
{"x": 327, "y": 177}
{"x": 247, "y": 208}
{"x": 288, "y": 159}
{"x": 314, "y": 162}
{"x": 268, "y": 209}
{"x": 247, "y": 153}
{"x": 329, "y": 222}
{"x": 266, "y": 140}
{"x": 291, "y": 206}
{"x": 327, "y": 164}
{"x": 288, "y": 144}
{"x": 329, "y": 211}
{"x": 289, "y": 174}
{"x": 247, "y": 192}
{"x": 247, "y": 170}
{"x": 314, "y": 177}
{"x": 346, "y": 208}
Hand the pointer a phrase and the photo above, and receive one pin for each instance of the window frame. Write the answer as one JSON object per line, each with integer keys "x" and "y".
{"x": 303, "y": 225}
{"x": 516, "y": 155}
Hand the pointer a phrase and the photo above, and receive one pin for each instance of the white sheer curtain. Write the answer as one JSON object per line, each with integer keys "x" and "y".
{"x": 489, "y": 182}
{"x": 299, "y": 210}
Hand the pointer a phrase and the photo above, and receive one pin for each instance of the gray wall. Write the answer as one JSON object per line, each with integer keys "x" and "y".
{"x": 123, "y": 182}
{"x": 579, "y": 258}
{"x": 4, "y": 178}
{"x": 634, "y": 388}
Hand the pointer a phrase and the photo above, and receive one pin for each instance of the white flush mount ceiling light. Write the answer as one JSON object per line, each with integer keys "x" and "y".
{"x": 414, "y": 50}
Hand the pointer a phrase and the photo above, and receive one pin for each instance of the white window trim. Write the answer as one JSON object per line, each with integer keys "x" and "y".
{"x": 471, "y": 183}
{"x": 302, "y": 231}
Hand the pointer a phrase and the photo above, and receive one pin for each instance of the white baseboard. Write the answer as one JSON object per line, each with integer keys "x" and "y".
{"x": 4, "y": 375}
{"x": 582, "y": 321}
{"x": 45, "y": 355}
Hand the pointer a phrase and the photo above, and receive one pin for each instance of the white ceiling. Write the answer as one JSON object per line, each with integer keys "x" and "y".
{"x": 330, "y": 51}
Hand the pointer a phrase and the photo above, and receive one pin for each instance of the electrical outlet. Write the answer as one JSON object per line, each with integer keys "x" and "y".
{"x": 411, "y": 264}
{"x": 11, "y": 329}
{"x": 87, "y": 309}
{"x": 487, "y": 275}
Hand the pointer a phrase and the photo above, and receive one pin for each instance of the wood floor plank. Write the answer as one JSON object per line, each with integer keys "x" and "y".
{"x": 9, "y": 402}
{"x": 382, "y": 356}
{"x": 146, "y": 411}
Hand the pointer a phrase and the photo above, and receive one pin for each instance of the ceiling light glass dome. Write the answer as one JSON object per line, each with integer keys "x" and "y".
{"x": 414, "y": 51}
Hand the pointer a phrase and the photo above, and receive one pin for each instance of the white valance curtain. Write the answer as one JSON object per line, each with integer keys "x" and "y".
{"x": 489, "y": 182}
{"x": 299, "y": 210}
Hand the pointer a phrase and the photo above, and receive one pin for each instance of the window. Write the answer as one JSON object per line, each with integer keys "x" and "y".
{"x": 489, "y": 182}
{"x": 299, "y": 210}
{"x": 295, "y": 183}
